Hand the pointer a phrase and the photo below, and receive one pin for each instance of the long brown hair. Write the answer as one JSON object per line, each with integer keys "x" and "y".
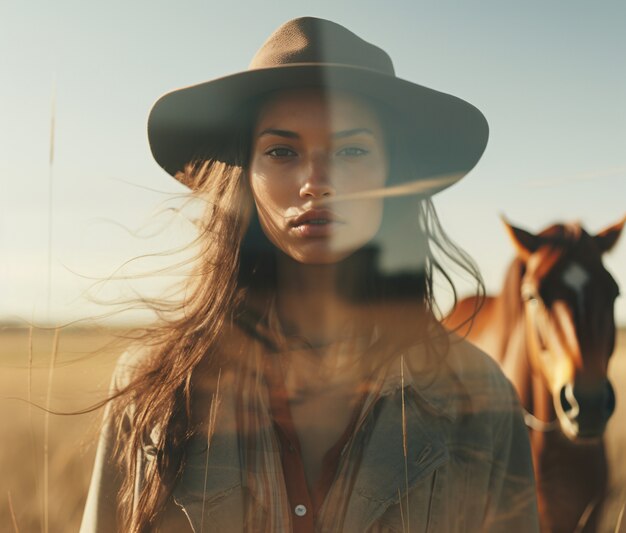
{"x": 159, "y": 395}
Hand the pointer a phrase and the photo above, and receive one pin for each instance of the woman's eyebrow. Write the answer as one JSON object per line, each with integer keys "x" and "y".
{"x": 280, "y": 133}
{"x": 337, "y": 135}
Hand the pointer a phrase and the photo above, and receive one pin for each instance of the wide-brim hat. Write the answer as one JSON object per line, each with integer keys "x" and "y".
{"x": 446, "y": 135}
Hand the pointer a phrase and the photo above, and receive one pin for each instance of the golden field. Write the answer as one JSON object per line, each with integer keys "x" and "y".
{"x": 32, "y": 486}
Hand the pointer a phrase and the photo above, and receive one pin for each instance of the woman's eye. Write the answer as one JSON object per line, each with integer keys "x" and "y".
{"x": 353, "y": 151}
{"x": 280, "y": 152}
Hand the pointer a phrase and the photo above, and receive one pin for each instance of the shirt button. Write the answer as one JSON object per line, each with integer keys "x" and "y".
{"x": 300, "y": 510}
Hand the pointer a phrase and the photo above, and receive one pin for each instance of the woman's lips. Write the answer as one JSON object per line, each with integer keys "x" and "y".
{"x": 315, "y": 223}
{"x": 316, "y": 228}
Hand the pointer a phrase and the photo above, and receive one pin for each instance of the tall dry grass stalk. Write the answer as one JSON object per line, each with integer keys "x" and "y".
{"x": 51, "y": 198}
{"x": 215, "y": 401}
{"x": 30, "y": 370}
{"x": 620, "y": 517}
{"x": 404, "y": 450}
{"x": 584, "y": 518}
{"x": 46, "y": 437}
{"x": 12, "y": 511}
{"x": 31, "y": 426}
{"x": 401, "y": 510}
{"x": 46, "y": 466}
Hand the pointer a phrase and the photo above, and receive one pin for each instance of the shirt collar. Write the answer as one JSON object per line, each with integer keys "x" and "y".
{"x": 427, "y": 374}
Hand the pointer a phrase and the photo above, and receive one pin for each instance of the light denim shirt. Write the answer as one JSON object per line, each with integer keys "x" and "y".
{"x": 468, "y": 466}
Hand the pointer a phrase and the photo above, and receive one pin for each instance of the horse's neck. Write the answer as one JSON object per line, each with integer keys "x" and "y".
{"x": 513, "y": 348}
{"x": 512, "y": 290}
{"x": 515, "y": 359}
{"x": 509, "y": 311}
{"x": 541, "y": 404}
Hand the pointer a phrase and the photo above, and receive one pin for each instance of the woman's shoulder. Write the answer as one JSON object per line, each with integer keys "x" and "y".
{"x": 468, "y": 360}
{"x": 456, "y": 355}
{"x": 481, "y": 377}
{"x": 128, "y": 366}
{"x": 461, "y": 378}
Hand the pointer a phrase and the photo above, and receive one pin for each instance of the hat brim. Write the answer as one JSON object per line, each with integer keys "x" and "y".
{"x": 446, "y": 135}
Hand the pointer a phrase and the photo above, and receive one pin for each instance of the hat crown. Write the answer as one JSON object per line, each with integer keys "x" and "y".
{"x": 206, "y": 121}
{"x": 311, "y": 40}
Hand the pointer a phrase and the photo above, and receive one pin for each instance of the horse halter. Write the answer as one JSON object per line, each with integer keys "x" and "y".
{"x": 536, "y": 319}
{"x": 566, "y": 401}
{"x": 536, "y": 322}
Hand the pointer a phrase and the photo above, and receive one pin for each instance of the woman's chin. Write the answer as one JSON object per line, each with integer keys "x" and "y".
{"x": 321, "y": 253}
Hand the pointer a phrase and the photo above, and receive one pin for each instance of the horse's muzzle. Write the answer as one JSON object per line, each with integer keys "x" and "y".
{"x": 584, "y": 411}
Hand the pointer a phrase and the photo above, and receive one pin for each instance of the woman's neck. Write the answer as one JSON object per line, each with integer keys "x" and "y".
{"x": 308, "y": 304}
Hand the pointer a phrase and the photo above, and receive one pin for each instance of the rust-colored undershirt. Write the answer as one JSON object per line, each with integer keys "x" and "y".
{"x": 291, "y": 455}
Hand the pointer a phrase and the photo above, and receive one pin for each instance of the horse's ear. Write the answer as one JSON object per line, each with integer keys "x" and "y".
{"x": 525, "y": 242}
{"x": 606, "y": 239}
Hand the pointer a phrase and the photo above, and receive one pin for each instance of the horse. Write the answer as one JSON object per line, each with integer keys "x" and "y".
{"x": 552, "y": 330}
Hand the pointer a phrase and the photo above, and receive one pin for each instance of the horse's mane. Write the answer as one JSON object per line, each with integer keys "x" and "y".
{"x": 563, "y": 234}
{"x": 511, "y": 289}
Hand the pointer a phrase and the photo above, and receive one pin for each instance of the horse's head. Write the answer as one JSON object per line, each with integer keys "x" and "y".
{"x": 568, "y": 298}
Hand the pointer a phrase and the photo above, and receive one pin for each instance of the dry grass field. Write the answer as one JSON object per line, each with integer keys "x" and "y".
{"x": 84, "y": 362}
{"x": 32, "y": 487}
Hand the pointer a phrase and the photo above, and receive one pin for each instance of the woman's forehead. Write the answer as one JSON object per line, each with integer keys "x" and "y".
{"x": 317, "y": 108}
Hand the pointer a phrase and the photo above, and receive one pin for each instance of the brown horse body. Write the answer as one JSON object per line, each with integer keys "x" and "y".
{"x": 552, "y": 330}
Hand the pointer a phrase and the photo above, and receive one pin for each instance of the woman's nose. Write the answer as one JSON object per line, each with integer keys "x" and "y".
{"x": 317, "y": 183}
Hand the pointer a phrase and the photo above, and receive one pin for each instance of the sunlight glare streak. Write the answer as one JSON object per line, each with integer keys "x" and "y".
{"x": 422, "y": 186}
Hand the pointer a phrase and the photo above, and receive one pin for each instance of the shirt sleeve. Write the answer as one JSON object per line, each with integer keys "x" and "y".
{"x": 101, "y": 509}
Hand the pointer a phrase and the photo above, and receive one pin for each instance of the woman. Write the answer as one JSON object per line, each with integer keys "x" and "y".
{"x": 306, "y": 384}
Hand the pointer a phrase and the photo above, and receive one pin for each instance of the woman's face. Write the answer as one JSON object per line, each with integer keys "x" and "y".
{"x": 309, "y": 149}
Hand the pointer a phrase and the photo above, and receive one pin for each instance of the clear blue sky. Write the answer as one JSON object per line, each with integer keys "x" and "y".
{"x": 549, "y": 76}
